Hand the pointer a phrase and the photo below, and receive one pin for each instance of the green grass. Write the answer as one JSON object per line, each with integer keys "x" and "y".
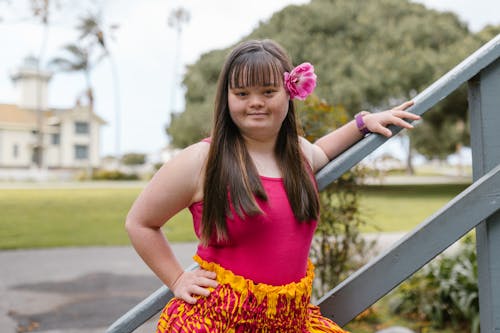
{"x": 35, "y": 218}
{"x": 394, "y": 208}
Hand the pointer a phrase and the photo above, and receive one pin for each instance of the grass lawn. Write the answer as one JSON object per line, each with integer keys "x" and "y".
{"x": 34, "y": 218}
{"x": 393, "y": 208}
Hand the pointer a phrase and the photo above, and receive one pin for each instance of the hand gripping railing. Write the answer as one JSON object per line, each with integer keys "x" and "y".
{"x": 367, "y": 285}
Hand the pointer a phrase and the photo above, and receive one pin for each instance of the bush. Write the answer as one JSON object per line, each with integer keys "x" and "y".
{"x": 444, "y": 292}
{"x": 113, "y": 175}
{"x": 133, "y": 159}
{"x": 338, "y": 247}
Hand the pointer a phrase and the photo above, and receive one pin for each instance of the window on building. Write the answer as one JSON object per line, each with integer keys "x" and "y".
{"x": 81, "y": 152}
{"x": 15, "y": 150}
{"x": 55, "y": 139}
{"x": 81, "y": 127}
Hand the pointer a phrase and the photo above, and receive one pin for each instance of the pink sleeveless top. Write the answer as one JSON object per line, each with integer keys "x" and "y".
{"x": 270, "y": 248}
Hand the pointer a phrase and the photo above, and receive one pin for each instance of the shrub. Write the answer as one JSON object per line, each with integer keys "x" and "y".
{"x": 133, "y": 159}
{"x": 444, "y": 292}
{"x": 113, "y": 175}
{"x": 338, "y": 247}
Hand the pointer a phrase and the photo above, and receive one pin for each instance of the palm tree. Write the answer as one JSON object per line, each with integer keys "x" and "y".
{"x": 92, "y": 32}
{"x": 78, "y": 59}
{"x": 84, "y": 57}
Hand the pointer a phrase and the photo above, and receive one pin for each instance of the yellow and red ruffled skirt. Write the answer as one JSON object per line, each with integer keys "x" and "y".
{"x": 239, "y": 305}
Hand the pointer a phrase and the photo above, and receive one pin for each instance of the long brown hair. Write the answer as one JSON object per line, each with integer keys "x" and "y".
{"x": 230, "y": 173}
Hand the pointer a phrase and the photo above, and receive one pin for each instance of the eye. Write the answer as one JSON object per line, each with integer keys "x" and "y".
{"x": 239, "y": 92}
{"x": 269, "y": 91}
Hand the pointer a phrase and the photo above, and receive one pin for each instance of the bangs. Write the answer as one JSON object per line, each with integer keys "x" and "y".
{"x": 257, "y": 69}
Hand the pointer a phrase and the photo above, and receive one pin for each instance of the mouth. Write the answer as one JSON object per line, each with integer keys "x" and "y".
{"x": 257, "y": 114}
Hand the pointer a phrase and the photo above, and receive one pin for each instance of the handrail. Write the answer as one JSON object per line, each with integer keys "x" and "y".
{"x": 143, "y": 311}
{"x": 441, "y": 88}
{"x": 363, "y": 288}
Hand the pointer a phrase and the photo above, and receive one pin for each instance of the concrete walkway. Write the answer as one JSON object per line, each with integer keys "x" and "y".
{"x": 83, "y": 290}
{"x": 74, "y": 290}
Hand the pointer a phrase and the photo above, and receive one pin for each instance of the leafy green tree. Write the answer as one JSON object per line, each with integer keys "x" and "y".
{"x": 133, "y": 159}
{"x": 367, "y": 54}
{"x": 445, "y": 129}
{"x": 201, "y": 79}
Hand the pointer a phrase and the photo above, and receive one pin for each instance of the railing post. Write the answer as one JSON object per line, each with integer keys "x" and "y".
{"x": 484, "y": 113}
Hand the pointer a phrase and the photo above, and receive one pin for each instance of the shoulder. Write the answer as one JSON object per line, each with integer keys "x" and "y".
{"x": 314, "y": 154}
{"x": 186, "y": 169}
{"x": 189, "y": 158}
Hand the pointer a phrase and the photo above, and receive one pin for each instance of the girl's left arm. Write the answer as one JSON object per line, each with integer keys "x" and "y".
{"x": 331, "y": 145}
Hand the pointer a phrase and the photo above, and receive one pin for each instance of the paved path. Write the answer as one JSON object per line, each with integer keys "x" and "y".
{"x": 74, "y": 290}
{"x": 82, "y": 290}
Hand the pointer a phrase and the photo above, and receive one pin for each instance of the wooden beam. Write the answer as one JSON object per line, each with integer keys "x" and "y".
{"x": 430, "y": 238}
{"x": 484, "y": 115}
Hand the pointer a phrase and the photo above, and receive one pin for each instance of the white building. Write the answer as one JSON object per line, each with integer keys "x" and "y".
{"x": 70, "y": 137}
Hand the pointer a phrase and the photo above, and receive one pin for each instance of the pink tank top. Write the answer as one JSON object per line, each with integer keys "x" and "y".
{"x": 270, "y": 248}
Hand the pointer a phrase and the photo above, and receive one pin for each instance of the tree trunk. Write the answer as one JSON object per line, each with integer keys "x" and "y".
{"x": 410, "y": 170}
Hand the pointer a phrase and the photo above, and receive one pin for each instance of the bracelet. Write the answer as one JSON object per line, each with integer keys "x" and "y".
{"x": 360, "y": 123}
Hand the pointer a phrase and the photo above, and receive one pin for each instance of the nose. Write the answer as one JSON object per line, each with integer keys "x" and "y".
{"x": 256, "y": 101}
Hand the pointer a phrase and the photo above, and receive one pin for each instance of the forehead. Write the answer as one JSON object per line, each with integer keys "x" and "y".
{"x": 258, "y": 70}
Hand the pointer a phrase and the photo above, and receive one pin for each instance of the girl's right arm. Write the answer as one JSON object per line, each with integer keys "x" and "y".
{"x": 177, "y": 184}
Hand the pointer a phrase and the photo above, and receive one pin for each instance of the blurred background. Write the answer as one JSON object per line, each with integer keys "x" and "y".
{"x": 96, "y": 95}
{"x": 138, "y": 54}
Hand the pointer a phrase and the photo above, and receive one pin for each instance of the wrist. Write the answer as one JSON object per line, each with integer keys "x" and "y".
{"x": 360, "y": 123}
{"x": 174, "y": 282}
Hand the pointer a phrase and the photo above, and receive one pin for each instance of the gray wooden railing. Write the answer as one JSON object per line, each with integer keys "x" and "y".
{"x": 477, "y": 206}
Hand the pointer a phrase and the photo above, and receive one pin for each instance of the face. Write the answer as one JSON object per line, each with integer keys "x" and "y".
{"x": 258, "y": 111}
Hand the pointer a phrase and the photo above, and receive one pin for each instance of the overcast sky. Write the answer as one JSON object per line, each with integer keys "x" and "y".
{"x": 144, "y": 52}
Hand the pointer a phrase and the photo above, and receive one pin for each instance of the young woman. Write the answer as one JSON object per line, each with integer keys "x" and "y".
{"x": 251, "y": 190}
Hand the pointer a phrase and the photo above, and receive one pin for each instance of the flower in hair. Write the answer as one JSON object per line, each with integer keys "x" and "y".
{"x": 301, "y": 81}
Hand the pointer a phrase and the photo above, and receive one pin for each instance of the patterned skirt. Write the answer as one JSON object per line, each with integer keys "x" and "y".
{"x": 239, "y": 305}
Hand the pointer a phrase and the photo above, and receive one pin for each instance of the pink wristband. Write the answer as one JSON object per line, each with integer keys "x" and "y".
{"x": 361, "y": 124}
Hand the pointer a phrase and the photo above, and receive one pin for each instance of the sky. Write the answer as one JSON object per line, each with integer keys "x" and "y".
{"x": 144, "y": 50}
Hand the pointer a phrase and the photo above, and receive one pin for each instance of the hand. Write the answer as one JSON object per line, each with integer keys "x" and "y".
{"x": 192, "y": 283}
{"x": 378, "y": 122}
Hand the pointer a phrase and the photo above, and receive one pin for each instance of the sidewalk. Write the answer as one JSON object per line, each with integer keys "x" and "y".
{"x": 75, "y": 290}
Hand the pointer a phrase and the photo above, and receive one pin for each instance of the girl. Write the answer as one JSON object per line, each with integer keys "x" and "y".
{"x": 251, "y": 190}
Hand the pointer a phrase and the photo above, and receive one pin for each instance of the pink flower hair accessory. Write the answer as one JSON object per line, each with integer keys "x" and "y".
{"x": 301, "y": 81}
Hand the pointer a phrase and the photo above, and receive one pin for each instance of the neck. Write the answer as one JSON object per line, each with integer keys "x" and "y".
{"x": 260, "y": 145}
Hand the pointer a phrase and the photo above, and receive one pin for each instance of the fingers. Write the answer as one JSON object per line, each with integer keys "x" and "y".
{"x": 378, "y": 122}
{"x": 404, "y": 114}
{"x": 382, "y": 130}
{"x": 194, "y": 283}
{"x": 405, "y": 105}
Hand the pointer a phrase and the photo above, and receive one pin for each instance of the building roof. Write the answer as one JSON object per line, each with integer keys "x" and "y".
{"x": 11, "y": 114}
